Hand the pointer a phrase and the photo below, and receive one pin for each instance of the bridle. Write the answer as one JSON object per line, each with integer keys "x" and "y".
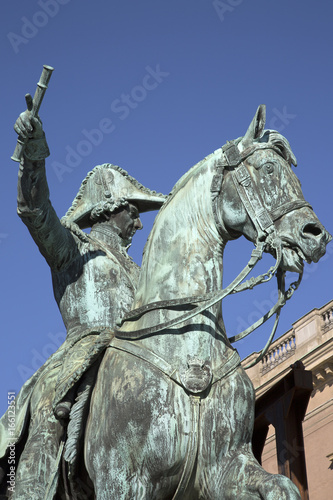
{"x": 263, "y": 220}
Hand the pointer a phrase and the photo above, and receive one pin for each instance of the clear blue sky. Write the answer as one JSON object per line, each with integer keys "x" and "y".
{"x": 210, "y": 64}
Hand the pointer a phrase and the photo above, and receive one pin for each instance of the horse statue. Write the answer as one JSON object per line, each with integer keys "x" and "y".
{"x": 172, "y": 410}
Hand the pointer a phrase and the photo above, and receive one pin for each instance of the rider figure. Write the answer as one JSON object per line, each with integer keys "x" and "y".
{"x": 94, "y": 281}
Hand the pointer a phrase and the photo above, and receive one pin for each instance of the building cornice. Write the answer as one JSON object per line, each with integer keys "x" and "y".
{"x": 310, "y": 340}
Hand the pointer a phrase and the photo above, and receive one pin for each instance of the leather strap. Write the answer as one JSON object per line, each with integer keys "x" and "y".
{"x": 131, "y": 347}
{"x": 192, "y": 449}
{"x": 217, "y": 297}
{"x": 284, "y": 209}
{"x": 251, "y": 200}
{"x": 147, "y": 355}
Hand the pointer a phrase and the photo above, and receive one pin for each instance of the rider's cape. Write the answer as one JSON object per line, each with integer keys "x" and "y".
{"x": 15, "y": 422}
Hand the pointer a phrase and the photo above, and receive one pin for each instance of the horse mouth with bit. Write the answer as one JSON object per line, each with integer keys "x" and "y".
{"x": 293, "y": 256}
{"x": 293, "y": 259}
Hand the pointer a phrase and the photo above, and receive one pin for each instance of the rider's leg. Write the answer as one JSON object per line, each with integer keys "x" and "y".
{"x": 38, "y": 459}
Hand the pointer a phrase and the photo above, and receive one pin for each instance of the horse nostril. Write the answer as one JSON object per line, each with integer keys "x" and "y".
{"x": 312, "y": 230}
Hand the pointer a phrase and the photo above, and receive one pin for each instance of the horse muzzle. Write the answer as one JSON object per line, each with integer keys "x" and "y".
{"x": 310, "y": 246}
{"x": 315, "y": 239}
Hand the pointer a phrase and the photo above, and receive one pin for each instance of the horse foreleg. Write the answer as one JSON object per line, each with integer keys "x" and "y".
{"x": 245, "y": 479}
{"x": 229, "y": 469}
{"x": 137, "y": 432}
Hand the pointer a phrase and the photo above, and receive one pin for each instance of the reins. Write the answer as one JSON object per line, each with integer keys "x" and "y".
{"x": 282, "y": 298}
{"x": 263, "y": 221}
{"x": 210, "y": 300}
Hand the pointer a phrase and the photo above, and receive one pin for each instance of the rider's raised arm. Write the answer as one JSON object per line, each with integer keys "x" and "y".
{"x": 55, "y": 242}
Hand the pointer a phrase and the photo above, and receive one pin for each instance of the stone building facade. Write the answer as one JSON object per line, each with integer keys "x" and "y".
{"x": 310, "y": 340}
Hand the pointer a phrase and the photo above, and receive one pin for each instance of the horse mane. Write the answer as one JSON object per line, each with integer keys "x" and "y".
{"x": 180, "y": 184}
{"x": 269, "y": 136}
{"x": 272, "y": 137}
{"x": 184, "y": 179}
{"x": 281, "y": 143}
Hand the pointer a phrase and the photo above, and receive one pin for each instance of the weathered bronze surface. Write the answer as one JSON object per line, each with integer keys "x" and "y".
{"x": 160, "y": 437}
{"x": 170, "y": 413}
{"x": 94, "y": 281}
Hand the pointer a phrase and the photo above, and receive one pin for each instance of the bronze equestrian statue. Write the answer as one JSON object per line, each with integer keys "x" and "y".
{"x": 147, "y": 395}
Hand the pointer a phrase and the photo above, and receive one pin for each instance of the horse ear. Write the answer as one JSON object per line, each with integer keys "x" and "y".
{"x": 256, "y": 127}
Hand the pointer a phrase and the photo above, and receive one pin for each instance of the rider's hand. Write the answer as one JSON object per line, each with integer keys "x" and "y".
{"x": 28, "y": 126}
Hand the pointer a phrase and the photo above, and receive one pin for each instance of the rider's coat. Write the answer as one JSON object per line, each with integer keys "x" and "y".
{"x": 94, "y": 281}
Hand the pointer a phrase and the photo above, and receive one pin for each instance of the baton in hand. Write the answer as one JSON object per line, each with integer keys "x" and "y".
{"x": 37, "y": 101}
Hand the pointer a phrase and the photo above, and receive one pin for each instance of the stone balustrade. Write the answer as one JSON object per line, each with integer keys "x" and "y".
{"x": 306, "y": 336}
{"x": 279, "y": 352}
{"x": 327, "y": 319}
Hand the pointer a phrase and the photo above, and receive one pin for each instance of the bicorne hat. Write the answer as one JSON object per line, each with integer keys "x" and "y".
{"x": 110, "y": 184}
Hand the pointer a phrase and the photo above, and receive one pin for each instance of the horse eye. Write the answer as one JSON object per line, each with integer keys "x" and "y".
{"x": 269, "y": 168}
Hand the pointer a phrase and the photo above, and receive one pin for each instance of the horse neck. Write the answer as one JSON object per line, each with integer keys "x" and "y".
{"x": 184, "y": 251}
{"x": 185, "y": 235}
